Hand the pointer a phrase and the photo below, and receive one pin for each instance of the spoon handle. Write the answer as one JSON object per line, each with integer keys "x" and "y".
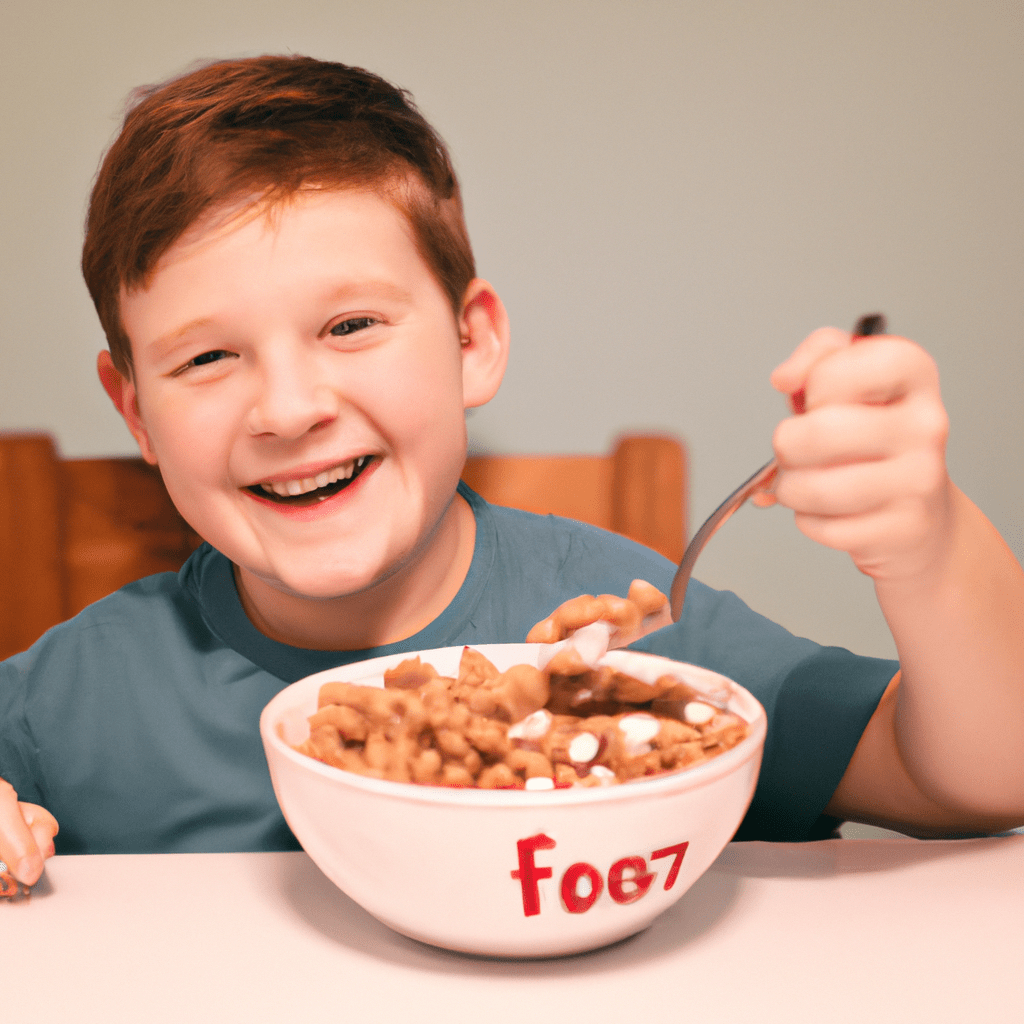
{"x": 873, "y": 323}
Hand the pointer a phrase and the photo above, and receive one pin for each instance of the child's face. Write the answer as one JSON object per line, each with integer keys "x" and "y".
{"x": 285, "y": 351}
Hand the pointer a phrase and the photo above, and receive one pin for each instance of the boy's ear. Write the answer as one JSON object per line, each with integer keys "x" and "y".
{"x": 122, "y": 393}
{"x": 484, "y": 332}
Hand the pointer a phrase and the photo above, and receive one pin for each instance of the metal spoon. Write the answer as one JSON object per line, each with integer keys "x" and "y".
{"x": 873, "y": 323}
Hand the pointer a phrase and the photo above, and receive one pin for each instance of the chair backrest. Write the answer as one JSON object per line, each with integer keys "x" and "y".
{"x": 74, "y": 530}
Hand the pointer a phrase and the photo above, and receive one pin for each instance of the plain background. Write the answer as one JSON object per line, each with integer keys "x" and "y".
{"x": 668, "y": 196}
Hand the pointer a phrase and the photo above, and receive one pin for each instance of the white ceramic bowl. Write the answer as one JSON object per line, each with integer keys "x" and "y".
{"x": 511, "y": 873}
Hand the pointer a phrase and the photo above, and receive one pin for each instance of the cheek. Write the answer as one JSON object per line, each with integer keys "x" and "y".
{"x": 191, "y": 440}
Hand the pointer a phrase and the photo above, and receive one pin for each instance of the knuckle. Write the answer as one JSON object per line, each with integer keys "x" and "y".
{"x": 934, "y": 423}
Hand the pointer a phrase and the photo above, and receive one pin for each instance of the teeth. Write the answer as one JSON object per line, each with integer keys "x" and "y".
{"x": 293, "y": 488}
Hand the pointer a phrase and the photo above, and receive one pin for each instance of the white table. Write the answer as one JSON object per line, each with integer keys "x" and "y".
{"x": 843, "y": 930}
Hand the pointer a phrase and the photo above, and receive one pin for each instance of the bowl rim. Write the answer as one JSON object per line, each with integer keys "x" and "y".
{"x": 648, "y": 787}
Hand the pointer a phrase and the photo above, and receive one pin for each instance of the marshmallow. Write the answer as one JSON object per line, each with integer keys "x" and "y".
{"x": 532, "y": 727}
{"x": 698, "y": 713}
{"x": 584, "y": 748}
{"x": 539, "y": 782}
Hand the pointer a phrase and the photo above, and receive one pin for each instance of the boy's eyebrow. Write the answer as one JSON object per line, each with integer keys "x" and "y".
{"x": 388, "y": 289}
{"x": 166, "y": 341}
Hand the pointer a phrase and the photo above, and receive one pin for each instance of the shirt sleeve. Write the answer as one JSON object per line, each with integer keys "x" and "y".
{"x": 17, "y": 751}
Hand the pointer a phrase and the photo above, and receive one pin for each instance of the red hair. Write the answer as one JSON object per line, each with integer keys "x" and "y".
{"x": 263, "y": 127}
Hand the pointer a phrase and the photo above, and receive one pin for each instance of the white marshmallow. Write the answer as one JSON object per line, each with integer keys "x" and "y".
{"x": 638, "y": 731}
{"x": 606, "y": 775}
{"x": 539, "y": 782}
{"x": 698, "y": 713}
{"x": 584, "y": 747}
{"x": 532, "y": 727}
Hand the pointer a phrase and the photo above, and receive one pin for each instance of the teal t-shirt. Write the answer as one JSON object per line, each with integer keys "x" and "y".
{"x": 136, "y": 722}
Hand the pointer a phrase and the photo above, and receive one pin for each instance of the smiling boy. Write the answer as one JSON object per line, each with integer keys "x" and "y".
{"x": 248, "y": 384}
{"x": 277, "y": 254}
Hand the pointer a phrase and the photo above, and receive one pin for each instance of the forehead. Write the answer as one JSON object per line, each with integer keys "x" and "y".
{"x": 308, "y": 216}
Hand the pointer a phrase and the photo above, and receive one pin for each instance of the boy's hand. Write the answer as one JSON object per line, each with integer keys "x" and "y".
{"x": 26, "y": 835}
{"x": 644, "y": 610}
{"x": 864, "y": 466}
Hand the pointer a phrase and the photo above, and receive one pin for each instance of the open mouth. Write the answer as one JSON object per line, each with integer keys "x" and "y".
{"x": 311, "y": 490}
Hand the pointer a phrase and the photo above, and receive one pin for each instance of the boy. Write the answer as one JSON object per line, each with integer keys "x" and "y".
{"x": 278, "y": 257}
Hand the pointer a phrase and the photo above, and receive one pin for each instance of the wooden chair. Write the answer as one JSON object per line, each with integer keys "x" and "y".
{"x": 74, "y": 530}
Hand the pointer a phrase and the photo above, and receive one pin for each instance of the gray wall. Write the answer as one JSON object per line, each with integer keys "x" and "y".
{"x": 667, "y": 195}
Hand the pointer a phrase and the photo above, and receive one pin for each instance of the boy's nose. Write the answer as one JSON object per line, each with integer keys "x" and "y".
{"x": 291, "y": 400}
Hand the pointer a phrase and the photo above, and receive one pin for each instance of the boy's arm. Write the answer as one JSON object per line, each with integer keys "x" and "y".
{"x": 864, "y": 470}
{"x": 26, "y": 835}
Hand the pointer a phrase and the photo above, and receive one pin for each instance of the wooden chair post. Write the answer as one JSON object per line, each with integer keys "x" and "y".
{"x": 32, "y": 586}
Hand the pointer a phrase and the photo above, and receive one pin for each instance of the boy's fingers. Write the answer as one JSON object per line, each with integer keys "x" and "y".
{"x": 790, "y": 376}
{"x": 836, "y": 434}
{"x": 43, "y": 826}
{"x": 876, "y": 371}
{"x": 18, "y": 847}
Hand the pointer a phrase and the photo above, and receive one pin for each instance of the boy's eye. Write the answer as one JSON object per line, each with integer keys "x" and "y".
{"x": 205, "y": 358}
{"x": 350, "y": 326}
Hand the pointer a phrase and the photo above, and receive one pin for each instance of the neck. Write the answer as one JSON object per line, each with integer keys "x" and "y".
{"x": 388, "y": 611}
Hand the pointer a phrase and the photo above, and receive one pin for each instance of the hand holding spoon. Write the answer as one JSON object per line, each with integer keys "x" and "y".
{"x": 874, "y": 323}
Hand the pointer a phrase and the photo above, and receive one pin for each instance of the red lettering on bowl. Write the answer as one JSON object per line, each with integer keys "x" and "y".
{"x": 677, "y": 851}
{"x": 630, "y": 888}
{"x": 573, "y": 901}
{"x": 529, "y": 873}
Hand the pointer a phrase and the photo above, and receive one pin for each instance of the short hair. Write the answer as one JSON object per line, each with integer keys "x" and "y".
{"x": 263, "y": 127}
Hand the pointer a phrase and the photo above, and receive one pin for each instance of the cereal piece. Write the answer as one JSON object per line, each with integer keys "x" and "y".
{"x": 451, "y": 743}
{"x": 511, "y": 696}
{"x": 567, "y": 662}
{"x": 673, "y": 732}
{"x": 409, "y": 675}
{"x": 324, "y": 743}
{"x": 457, "y": 775}
{"x": 566, "y": 619}
{"x": 438, "y": 700}
{"x": 426, "y": 768}
{"x": 630, "y": 690}
{"x": 529, "y": 762}
{"x": 683, "y": 755}
{"x": 475, "y": 669}
{"x": 725, "y": 730}
{"x": 473, "y": 762}
{"x": 488, "y": 736}
{"x": 647, "y": 597}
{"x": 349, "y": 723}
{"x": 648, "y": 763}
{"x": 498, "y": 776}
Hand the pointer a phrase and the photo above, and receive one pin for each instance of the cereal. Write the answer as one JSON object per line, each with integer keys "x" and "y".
{"x": 567, "y": 725}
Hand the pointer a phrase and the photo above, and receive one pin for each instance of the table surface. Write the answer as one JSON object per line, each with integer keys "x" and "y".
{"x": 835, "y": 931}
